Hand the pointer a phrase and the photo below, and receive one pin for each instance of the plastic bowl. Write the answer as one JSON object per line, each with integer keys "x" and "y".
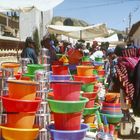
{"x": 85, "y": 79}
{"x": 66, "y": 90}
{"x": 60, "y": 70}
{"x": 31, "y": 68}
{"x": 98, "y": 59}
{"x": 15, "y": 66}
{"x": 105, "y": 104}
{"x": 68, "y": 135}
{"x": 16, "y": 134}
{"x": 16, "y": 105}
{"x": 85, "y": 70}
{"x": 60, "y": 77}
{"x": 113, "y": 119}
{"x": 58, "y": 106}
{"x": 69, "y": 121}
{"x": 89, "y": 95}
{"x": 111, "y": 112}
{"x": 85, "y": 58}
{"x": 21, "y": 120}
{"x": 89, "y": 87}
{"x": 22, "y": 89}
{"x": 101, "y": 72}
{"x": 88, "y": 111}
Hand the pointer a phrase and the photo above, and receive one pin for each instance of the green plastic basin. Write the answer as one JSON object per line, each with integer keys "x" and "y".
{"x": 113, "y": 119}
{"x": 89, "y": 111}
{"x": 58, "y": 106}
{"x": 33, "y": 67}
{"x": 89, "y": 87}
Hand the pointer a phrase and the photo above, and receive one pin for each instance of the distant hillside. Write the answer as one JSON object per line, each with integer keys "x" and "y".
{"x": 68, "y": 21}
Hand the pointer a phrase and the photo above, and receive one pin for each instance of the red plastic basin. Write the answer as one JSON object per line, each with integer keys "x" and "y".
{"x": 85, "y": 79}
{"x": 66, "y": 90}
{"x": 90, "y": 103}
{"x": 60, "y": 70}
{"x": 90, "y": 95}
{"x": 105, "y": 104}
{"x": 69, "y": 121}
{"x": 16, "y": 105}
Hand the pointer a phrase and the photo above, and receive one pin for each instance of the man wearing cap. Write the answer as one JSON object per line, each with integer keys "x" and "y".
{"x": 29, "y": 50}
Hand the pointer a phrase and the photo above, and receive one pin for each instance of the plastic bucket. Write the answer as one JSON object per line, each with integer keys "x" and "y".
{"x": 22, "y": 89}
{"x": 66, "y": 90}
{"x": 21, "y": 120}
{"x": 68, "y": 121}
{"x": 60, "y": 70}
{"x": 85, "y": 70}
{"x": 68, "y": 135}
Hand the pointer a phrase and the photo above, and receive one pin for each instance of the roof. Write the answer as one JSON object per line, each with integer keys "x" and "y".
{"x": 134, "y": 28}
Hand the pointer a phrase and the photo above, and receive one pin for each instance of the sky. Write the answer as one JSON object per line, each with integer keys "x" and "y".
{"x": 114, "y": 13}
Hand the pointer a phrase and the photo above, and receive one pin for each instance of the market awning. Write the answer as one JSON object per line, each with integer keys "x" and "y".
{"x": 25, "y": 5}
{"x": 76, "y": 32}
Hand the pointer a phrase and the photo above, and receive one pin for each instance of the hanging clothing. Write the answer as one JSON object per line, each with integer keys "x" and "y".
{"x": 136, "y": 97}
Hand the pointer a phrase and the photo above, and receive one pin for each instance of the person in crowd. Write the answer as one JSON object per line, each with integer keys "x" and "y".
{"x": 114, "y": 55}
{"x": 29, "y": 51}
{"x": 47, "y": 43}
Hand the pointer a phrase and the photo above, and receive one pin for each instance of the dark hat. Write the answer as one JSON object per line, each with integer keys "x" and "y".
{"x": 29, "y": 40}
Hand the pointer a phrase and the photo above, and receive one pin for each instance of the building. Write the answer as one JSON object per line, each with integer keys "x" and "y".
{"x": 134, "y": 34}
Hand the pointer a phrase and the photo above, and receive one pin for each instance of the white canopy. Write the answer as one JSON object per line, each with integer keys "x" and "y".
{"x": 77, "y": 32}
{"x": 24, "y": 5}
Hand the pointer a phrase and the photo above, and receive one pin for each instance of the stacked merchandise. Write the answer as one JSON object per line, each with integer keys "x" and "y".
{"x": 89, "y": 90}
{"x": 20, "y": 106}
{"x": 67, "y": 107}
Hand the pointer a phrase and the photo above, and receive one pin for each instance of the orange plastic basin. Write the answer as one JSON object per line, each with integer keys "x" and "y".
{"x": 17, "y": 134}
{"x": 13, "y": 65}
{"x": 85, "y": 70}
{"x": 21, "y": 120}
{"x": 22, "y": 89}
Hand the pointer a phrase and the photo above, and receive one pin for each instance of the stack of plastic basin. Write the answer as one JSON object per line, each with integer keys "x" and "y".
{"x": 60, "y": 72}
{"x": 89, "y": 90}
{"x": 20, "y": 105}
{"x": 67, "y": 108}
{"x": 99, "y": 69}
{"x": 85, "y": 74}
{"x": 111, "y": 108}
{"x": 32, "y": 68}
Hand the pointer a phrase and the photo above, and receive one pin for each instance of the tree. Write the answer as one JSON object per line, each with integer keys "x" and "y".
{"x": 37, "y": 41}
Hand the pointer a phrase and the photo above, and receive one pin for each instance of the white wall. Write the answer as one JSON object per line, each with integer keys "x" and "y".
{"x": 136, "y": 38}
{"x": 31, "y": 20}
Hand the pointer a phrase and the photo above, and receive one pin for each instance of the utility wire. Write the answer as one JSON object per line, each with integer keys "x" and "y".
{"x": 107, "y": 3}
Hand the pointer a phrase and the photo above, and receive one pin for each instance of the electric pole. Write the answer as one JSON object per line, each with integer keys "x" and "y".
{"x": 130, "y": 20}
